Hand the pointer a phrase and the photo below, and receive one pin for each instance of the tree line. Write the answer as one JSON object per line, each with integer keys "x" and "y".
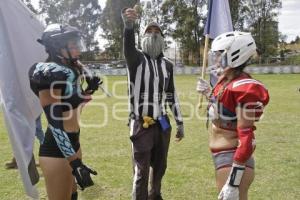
{"x": 182, "y": 21}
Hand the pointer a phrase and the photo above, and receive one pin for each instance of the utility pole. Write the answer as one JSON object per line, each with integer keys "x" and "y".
{"x": 175, "y": 53}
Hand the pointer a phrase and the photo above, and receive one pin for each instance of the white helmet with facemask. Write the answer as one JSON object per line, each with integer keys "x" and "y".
{"x": 153, "y": 43}
{"x": 232, "y": 49}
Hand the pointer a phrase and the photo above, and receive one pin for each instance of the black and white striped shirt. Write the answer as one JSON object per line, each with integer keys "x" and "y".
{"x": 151, "y": 84}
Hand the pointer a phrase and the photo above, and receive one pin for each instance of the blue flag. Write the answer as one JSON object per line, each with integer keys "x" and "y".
{"x": 218, "y": 18}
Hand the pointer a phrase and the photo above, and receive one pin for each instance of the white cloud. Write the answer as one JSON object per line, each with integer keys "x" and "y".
{"x": 289, "y": 3}
{"x": 289, "y": 18}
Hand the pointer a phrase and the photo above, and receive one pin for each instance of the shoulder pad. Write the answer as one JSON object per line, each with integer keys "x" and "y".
{"x": 44, "y": 74}
{"x": 249, "y": 91}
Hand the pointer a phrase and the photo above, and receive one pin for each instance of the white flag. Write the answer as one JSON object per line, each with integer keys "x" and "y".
{"x": 19, "y": 30}
{"x": 0, "y": 100}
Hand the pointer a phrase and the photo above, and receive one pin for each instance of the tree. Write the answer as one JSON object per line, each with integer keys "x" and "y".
{"x": 112, "y": 25}
{"x": 83, "y": 14}
{"x": 260, "y": 18}
{"x": 282, "y": 46}
{"x": 152, "y": 10}
{"x": 238, "y": 10}
{"x": 235, "y": 11}
{"x": 30, "y": 6}
{"x": 297, "y": 40}
{"x": 183, "y": 20}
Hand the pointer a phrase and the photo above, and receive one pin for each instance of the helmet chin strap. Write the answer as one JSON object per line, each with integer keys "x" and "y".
{"x": 71, "y": 61}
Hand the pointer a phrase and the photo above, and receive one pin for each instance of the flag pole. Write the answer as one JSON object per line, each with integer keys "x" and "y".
{"x": 216, "y": 15}
{"x": 204, "y": 65}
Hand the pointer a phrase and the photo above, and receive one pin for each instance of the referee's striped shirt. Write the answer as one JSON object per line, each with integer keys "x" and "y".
{"x": 151, "y": 84}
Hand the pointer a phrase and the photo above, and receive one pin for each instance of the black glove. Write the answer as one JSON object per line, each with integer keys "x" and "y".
{"x": 93, "y": 84}
{"x": 82, "y": 174}
{"x": 180, "y": 132}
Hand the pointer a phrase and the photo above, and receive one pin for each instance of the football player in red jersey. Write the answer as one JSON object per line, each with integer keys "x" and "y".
{"x": 236, "y": 102}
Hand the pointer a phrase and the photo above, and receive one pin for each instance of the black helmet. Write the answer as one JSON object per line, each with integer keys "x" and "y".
{"x": 57, "y": 36}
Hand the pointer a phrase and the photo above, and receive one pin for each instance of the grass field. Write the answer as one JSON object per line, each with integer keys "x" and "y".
{"x": 190, "y": 174}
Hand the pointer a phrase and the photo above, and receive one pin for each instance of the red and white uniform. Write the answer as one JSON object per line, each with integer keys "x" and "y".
{"x": 241, "y": 91}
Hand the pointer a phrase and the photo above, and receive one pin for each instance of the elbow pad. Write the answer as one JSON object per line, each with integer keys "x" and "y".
{"x": 246, "y": 144}
{"x": 53, "y": 113}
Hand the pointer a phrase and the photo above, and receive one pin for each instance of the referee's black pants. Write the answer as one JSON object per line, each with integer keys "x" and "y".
{"x": 150, "y": 149}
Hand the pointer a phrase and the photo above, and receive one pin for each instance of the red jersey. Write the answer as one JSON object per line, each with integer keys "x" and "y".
{"x": 242, "y": 91}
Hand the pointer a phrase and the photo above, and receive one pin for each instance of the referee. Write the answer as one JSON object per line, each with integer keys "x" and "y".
{"x": 151, "y": 89}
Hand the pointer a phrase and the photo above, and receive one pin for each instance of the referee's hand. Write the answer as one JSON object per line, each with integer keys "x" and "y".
{"x": 180, "y": 133}
{"x": 130, "y": 15}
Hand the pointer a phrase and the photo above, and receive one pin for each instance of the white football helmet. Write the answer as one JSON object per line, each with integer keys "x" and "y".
{"x": 232, "y": 49}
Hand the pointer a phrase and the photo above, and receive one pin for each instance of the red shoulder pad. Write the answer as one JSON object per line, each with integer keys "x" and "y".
{"x": 249, "y": 91}
{"x": 244, "y": 91}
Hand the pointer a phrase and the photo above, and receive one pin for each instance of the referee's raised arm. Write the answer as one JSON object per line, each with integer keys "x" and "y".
{"x": 150, "y": 81}
{"x": 132, "y": 55}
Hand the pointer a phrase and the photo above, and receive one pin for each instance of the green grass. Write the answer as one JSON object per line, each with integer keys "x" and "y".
{"x": 190, "y": 174}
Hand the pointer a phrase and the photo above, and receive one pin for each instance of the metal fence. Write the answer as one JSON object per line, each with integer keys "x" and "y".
{"x": 197, "y": 70}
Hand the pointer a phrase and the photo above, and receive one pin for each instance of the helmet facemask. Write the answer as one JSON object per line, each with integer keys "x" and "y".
{"x": 217, "y": 61}
{"x": 57, "y": 38}
{"x": 73, "y": 46}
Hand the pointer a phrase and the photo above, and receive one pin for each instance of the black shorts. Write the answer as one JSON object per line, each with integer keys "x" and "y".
{"x": 49, "y": 147}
